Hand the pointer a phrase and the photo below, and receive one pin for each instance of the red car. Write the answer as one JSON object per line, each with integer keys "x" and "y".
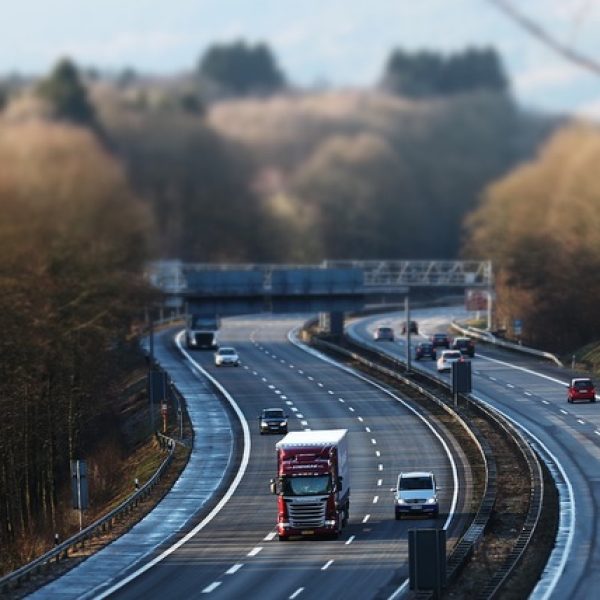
{"x": 581, "y": 389}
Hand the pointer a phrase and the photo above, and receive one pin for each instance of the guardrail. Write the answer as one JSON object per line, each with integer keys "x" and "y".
{"x": 474, "y": 533}
{"x": 486, "y": 336}
{"x": 105, "y": 523}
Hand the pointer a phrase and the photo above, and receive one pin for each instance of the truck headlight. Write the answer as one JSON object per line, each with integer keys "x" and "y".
{"x": 330, "y": 523}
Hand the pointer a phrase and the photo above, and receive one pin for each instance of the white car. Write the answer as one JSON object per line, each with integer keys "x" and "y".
{"x": 227, "y": 356}
{"x": 446, "y": 358}
{"x": 416, "y": 493}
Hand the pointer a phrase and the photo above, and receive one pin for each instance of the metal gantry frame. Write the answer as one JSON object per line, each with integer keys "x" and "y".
{"x": 435, "y": 273}
{"x": 170, "y": 275}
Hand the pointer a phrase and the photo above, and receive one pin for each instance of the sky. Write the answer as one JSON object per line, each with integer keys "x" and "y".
{"x": 342, "y": 43}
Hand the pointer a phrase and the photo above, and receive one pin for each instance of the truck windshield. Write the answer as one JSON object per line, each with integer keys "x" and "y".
{"x": 306, "y": 486}
{"x": 416, "y": 483}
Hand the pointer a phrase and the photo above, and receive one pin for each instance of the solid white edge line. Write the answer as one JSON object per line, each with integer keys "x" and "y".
{"x": 296, "y": 593}
{"x": 570, "y": 527}
{"x": 292, "y": 338}
{"x": 226, "y": 497}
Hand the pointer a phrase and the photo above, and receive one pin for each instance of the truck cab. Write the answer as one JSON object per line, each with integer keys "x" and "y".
{"x": 201, "y": 331}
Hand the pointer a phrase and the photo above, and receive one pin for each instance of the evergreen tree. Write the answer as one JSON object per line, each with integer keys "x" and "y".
{"x": 241, "y": 69}
{"x": 67, "y": 95}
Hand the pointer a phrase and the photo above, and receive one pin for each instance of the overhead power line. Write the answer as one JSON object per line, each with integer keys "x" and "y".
{"x": 546, "y": 38}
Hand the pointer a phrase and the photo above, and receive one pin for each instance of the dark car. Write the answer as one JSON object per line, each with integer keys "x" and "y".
{"x": 581, "y": 388}
{"x": 424, "y": 350}
{"x": 272, "y": 420}
{"x": 384, "y": 334}
{"x": 440, "y": 340}
{"x": 465, "y": 345}
{"x": 412, "y": 327}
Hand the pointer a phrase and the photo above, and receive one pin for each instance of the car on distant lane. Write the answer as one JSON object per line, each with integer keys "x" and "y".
{"x": 581, "y": 388}
{"x": 465, "y": 345}
{"x": 440, "y": 340}
{"x": 383, "y": 334}
{"x": 424, "y": 350}
{"x": 416, "y": 493}
{"x": 272, "y": 420}
{"x": 444, "y": 362}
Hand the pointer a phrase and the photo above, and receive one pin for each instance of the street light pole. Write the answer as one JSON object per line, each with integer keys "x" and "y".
{"x": 407, "y": 314}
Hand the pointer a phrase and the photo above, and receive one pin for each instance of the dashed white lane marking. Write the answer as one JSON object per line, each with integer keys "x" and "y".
{"x": 320, "y": 384}
{"x": 274, "y": 356}
{"x": 270, "y": 536}
{"x": 282, "y": 361}
{"x": 246, "y": 367}
{"x": 564, "y": 412}
{"x": 510, "y": 385}
{"x": 277, "y": 391}
{"x": 380, "y": 467}
{"x": 375, "y": 499}
{"x": 597, "y": 432}
{"x": 300, "y": 415}
{"x": 581, "y": 421}
{"x": 377, "y": 453}
{"x": 271, "y": 386}
{"x": 545, "y": 402}
{"x": 301, "y": 371}
{"x": 341, "y": 400}
{"x": 350, "y": 409}
{"x": 493, "y": 379}
{"x": 373, "y": 441}
{"x": 213, "y": 586}
{"x": 294, "y": 409}
{"x": 310, "y": 378}
{"x": 379, "y": 482}
{"x": 254, "y": 373}
{"x": 326, "y": 565}
{"x": 330, "y": 392}
{"x": 264, "y": 379}
{"x": 254, "y": 551}
{"x": 368, "y": 429}
{"x": 283, "y": 397}
{"x": 350, "y": 540}
{"x": 360, "y": 419}
{"x": 528, "y": 393}
{"x": 366, "y": 518}
{"x": 296, "y": 593}
{"x": 234, "y": 569}
{"x": 288, "y": 402}
{"x": 304, "y": 423}
{"x": 291, "y": 366}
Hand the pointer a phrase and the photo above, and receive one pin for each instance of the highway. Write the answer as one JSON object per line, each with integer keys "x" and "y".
{"x": 533, "y": 393}
{"x": 237, "y": 554}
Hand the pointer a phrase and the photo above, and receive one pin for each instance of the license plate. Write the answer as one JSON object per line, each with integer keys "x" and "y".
{"x": 308, "y": 532}
{"x": 415, "y": 508}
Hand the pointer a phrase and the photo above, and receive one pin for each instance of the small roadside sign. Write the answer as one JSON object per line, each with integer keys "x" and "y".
{"x": 517, "y": 327}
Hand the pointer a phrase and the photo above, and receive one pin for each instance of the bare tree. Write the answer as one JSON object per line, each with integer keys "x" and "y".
{"x": 537, "y": 31}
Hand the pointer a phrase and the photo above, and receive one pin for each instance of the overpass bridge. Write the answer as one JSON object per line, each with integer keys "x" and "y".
{"x": 333, "y": 286}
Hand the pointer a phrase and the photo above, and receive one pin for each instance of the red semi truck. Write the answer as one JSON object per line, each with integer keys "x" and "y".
{"x": 313, "y": 483}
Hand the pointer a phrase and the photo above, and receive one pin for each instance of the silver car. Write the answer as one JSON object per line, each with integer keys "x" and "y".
{"x": 446, "y": 358}
{"x": 227, "y": 356}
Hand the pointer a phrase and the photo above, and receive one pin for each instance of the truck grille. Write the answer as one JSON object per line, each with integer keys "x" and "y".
{"x": 307, "y": 515}
{"x": 416, "y": 501}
